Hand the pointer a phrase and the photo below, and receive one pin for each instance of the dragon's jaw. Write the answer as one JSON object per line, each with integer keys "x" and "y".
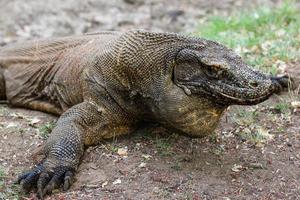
{"x": 227, "y": 94}
{"x": 241, "y": 95}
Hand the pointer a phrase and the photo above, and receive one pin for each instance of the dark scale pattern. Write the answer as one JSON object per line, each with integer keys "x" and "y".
{"x": 103, "y": 84}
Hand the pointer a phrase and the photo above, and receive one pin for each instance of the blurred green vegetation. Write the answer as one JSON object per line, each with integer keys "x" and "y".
{"x": 45, "y": 129}
{"x": 265, "y": 37}
{"x": 7, "y": 192}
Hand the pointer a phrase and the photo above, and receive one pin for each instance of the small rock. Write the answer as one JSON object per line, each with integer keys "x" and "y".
{"x": 117, "y": 181}
{"x": 156, "y": 190}
{"x": 295, "y": 104}
{"x": 142, "y": 165}
{"x": 226, "y": 198}
{"x": 123, "y": 151}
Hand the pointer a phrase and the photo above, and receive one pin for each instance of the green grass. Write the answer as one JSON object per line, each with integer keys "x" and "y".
{"x": 7, "y": 192}
{"x": 2, "y": 173}
{"x": 283, "y": 107}
{"x": 256, "y": 136}
{"x": 45, "y": 129}
{"x": 265, "y": 37}
{"x": 245, "y": 117}
{"x": 164, "y": 145}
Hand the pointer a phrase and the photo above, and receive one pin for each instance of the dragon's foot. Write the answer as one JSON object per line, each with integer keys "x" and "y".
{"x": 46, "y": 179}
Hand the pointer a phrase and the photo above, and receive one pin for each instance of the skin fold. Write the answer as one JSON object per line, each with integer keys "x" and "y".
{"x": 101, "y": 85}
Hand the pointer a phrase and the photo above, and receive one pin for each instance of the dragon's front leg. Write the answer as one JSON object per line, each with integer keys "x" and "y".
{"x": 82, "y": 125}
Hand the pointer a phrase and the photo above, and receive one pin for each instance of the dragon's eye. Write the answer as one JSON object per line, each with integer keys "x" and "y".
{"x": 213, "y": 72}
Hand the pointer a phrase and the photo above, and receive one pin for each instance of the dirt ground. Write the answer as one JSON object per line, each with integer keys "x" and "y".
{"x": 153, "y": 163}
{"x": 21, "y": 20}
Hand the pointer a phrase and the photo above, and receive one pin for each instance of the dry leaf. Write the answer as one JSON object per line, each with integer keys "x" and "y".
{"x": 104, "y": 184}
{"x": 146, "y": 156}
{"x": 265, "y": 133}
{"x": 11, "y": 125}
{"x": 281, "y": 66}
{"x": 237, "y": 168}
{"x": 34, "y": 121}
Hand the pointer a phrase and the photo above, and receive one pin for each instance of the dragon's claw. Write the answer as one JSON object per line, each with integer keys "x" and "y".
{"x": 46, "y": 180}
{"x": 28, "y": 179}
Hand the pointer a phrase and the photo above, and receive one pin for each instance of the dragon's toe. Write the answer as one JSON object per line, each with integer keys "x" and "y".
{"x": 46, "y": 180}
{"x": 28, "y": 180}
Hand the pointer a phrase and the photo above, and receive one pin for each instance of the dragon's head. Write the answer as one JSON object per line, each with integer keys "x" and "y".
{"x": 216, "y": 72}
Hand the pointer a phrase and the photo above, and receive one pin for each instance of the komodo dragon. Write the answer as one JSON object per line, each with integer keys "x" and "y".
{"x": 103, "y": 84}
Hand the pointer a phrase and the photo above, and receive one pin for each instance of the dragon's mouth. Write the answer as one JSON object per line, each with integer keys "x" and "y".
{"x": 244, "y": 101}
{"x": 241, "y": 95}
{"x": 231, "y": 94}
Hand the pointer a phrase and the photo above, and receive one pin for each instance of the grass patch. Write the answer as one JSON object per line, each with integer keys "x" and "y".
{"x": 265, "y": 37}
{"x": 256, "y": 135}
{"x": 45, "y": 129}
{"x": 2, "y": 174}
{"x": 245, "y": 117}
{"x": 7, "y": 191}
{"x": 11, "y": 192}
{"x": 112, "y": 147}
{"x": 250, "y": 127}
{"x": 164, "y": 145}
{"x": 282, "y": 107}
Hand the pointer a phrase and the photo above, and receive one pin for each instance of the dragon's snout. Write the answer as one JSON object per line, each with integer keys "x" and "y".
{"x": 282, "y": 82}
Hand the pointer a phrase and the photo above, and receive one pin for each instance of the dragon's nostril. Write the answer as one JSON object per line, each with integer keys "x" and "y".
{"x": 253, "y": 84}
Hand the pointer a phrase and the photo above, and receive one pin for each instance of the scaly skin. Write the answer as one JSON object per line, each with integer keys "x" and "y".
{"x": 103, "y": 84}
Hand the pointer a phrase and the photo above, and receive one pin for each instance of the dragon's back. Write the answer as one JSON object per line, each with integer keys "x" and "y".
{"x": 42, "y": 50}
{"x": 42, "y": 73}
